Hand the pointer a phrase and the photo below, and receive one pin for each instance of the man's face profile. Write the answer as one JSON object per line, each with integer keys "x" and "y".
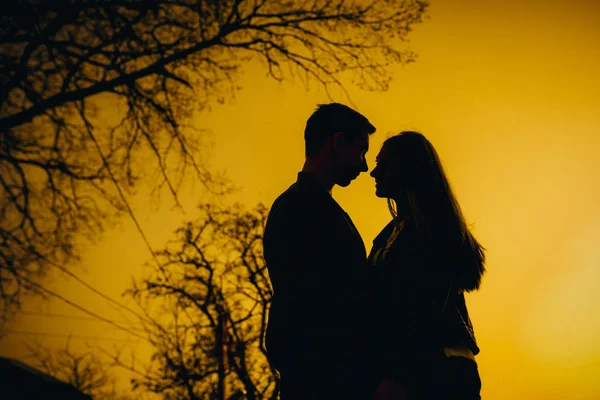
{"x": 350, "y": 157}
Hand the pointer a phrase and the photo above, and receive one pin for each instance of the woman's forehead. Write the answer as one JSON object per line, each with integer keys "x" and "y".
{"x": 384, "y": 152}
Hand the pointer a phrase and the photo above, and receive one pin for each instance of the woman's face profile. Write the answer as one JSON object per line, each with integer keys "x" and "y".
{"x": 386, "y": 174}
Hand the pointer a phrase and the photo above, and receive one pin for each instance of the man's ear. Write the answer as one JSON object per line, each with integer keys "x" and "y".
{"x": 338, "y": 141}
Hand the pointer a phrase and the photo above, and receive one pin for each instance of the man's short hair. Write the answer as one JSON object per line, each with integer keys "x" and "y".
{"x": 329, "y": 119}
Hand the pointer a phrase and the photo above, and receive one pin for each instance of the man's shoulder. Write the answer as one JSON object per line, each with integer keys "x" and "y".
{"x": 297, "y": 202}
{"x": 296, "y": 194}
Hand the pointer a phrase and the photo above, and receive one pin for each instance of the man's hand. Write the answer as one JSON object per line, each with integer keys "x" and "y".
{"x": 389, "y": 390}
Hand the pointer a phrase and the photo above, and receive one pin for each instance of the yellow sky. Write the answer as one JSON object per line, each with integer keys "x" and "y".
{"x": 509, "y": 93}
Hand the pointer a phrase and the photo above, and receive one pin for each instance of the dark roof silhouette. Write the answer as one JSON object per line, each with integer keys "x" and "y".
{"x": 19, "y": 381}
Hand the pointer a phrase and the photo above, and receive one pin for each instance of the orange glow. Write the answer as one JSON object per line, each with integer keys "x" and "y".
{"x": 509, "y": 94}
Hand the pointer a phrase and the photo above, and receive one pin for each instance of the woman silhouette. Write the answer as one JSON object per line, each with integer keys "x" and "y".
{"x": 423, "y": 262}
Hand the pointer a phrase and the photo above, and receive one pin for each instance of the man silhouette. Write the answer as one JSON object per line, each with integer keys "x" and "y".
{"x": 317, "y": 264}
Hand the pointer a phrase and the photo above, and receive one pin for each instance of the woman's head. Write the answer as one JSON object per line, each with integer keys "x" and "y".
{"x": 407, "y": 162}
{"x": 410, "y": 174}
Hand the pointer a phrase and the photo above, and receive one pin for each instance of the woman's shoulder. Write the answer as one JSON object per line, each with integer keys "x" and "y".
{"x": 384, "y": 234}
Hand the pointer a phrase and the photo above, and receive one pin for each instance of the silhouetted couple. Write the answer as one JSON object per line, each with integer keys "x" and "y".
{"x": 393, "y": 325}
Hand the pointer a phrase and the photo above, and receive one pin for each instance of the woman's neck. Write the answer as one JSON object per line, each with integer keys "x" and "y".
{"x": 402, "y": 208}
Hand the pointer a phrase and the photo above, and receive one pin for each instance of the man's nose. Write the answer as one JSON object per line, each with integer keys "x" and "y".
{"x": 364, "y": 167}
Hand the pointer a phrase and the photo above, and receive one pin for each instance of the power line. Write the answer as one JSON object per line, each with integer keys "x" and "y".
{"x": 93, "y": 289}
{"x": 88, "y": 286}
{"x": 81, "y": 308}
{"x": 89, "y": 128}
{"x": 84, "y": 283}
{"x": 69, "y": 316}
{"x": 83, "y": 337}
{"x": 58, "y": 296}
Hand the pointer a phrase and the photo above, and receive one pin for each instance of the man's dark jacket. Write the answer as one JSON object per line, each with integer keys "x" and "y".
{"x": 317, "y": 264}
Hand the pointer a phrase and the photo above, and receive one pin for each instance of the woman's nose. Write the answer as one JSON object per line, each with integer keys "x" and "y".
{"x": 373, "y": 172}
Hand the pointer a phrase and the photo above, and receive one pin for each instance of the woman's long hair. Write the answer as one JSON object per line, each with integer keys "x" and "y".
{"x": 430, "y": 205}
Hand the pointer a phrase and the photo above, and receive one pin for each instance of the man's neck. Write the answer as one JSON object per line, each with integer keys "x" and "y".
{"x": 314, "y": 168}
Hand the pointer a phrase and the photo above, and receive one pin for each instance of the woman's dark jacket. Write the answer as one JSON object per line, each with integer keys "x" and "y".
{"x": 419, "y": 307}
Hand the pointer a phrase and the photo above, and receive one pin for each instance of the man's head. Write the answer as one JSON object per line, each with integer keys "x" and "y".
{"x": 339, "y": 137}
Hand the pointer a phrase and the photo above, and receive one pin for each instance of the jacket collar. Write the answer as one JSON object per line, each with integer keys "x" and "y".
{"x": 311, "y": 182}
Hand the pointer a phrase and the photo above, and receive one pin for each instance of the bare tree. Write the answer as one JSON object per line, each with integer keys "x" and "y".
{"x": 84, "y": 371}
{"x": 215, "y": 293}
{"x": 64, "y": 166}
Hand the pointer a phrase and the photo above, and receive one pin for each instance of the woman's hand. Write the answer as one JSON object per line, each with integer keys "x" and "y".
{"x": 390, "y": 390}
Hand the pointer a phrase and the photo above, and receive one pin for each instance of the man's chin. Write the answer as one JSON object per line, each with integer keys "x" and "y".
{"x": 344, "y": 182}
